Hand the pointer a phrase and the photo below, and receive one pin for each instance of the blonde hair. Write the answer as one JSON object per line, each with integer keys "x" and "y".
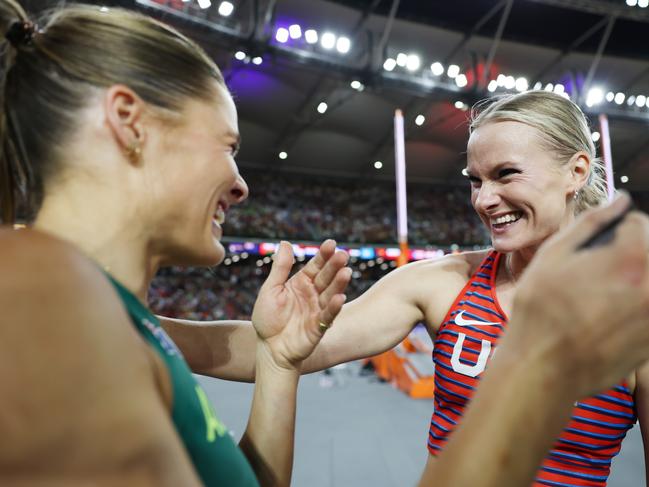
{"x": 49, "y": 75}
{"x": 563, "y": 128}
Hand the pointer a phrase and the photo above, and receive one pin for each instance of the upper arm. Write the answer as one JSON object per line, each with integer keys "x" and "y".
{"x": 78, "y": 397}
{"x": 642, "y": 408}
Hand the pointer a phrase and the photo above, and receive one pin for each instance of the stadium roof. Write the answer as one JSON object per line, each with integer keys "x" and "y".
{"x": 580, "y": 45}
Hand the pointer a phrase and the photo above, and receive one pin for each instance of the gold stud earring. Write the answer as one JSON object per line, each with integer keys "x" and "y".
{"x": 134, "y": 151}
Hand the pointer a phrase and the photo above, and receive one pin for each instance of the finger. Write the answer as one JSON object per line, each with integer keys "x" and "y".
{"x": 283, "y": 261}
{"x": 316, "y": 264}
{"x": 327, "y": 274}
{"x": 334, "y": 306}
{"x": 337, "y": 286}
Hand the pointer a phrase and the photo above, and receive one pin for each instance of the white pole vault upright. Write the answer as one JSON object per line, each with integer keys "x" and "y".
{"x": 400, "y": 168}
{"x": 606, "y": 153}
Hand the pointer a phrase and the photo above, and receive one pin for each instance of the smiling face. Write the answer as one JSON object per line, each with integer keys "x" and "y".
{"x": 521, "y": 192}
{"x": 195, "y": 180}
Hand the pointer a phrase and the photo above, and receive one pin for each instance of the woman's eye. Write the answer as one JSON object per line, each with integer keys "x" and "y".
{"x": 475, "y": 182}
{"x": 507, "y": 172}
{"x": 234, "y": 149}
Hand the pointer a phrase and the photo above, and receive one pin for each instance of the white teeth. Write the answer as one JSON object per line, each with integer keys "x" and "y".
{"x": 510, "y": 217}
{"x": 219, "y": 216}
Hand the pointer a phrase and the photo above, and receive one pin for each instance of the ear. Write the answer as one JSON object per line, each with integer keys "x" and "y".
{"x": 579, "y": 166}
{"x": 124, "y": 111}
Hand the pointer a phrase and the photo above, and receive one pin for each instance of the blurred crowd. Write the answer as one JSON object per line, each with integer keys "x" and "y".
{"x": 294, "y": 208}
{"x": 228, "y": 292}
{"x": 299, "y": 208}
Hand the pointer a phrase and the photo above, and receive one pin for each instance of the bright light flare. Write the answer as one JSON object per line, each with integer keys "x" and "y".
{"x": 226, "y": 9}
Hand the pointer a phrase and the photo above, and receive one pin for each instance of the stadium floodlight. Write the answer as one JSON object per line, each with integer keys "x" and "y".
{"x": 295, "y": 31}
{"x": 510, "y": 82}
{"x": 595, "y": 97}
{"x": 610, "y": 96}
{"x": 204, "y": 4}
{"x": 437, "y": 68}
{"x": 461, "y": 80}
{"x": 104, "y": 9}
{"x": 460, "y": 105}
{"x": 521, "y": 84}
{"x": 640, "y": 100}
{"x": 282, "y": 35}
{"x": 465, "y": 172}
{"x": 647, "y": 103}
{"x": 559, "y": 89}
{"x": 378, "y": 165}
{"x": 240, "y": 55}
{"x": 595, "y": 136}
{"x": 322, "y": 107}
{"x": 419, "y": 121}
{"x": 283, "y": 155}
{"x": 619, "y": 98}
{"x": 643, "y": 3}
{"x": 413, "y": 63}
{"x": 311, "y": 36}
{"x": 549, "y": 87}
{"x": 389, "y": 64}
{"x": 453, "y": 70}
{"x": 624, "y": 179}
{"x": 402, "y": 60}
{"x": 343, "y": 45}
{"x": 492, "y": 86}
{"x": 328, "y": 40}
{"x": 357, "y": 85}
{"x": 501, "y": 79}
{"x": 632, "y": 3}
{"x": 631, "y": 100}
{"x": 257, "y": 60}
{"x": 538, "y": 85}
{"x": 226, "y": 9}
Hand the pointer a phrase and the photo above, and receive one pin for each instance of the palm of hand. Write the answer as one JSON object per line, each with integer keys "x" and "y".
{"x": 288, "y": 312}
{"x": 287, "y": 315}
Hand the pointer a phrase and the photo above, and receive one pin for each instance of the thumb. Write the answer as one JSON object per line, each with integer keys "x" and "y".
{"x": 282, "y": 264}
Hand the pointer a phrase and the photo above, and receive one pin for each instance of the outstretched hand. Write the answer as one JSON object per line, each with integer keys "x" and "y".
{"x": 291, "y": 315}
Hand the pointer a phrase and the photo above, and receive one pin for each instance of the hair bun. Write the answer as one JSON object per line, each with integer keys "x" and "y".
{"x": 20, "y": 33}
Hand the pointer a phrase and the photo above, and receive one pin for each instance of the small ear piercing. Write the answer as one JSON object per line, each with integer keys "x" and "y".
{"x": 134, "y": 151}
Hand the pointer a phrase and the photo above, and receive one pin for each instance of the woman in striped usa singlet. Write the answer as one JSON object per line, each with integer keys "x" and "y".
{"x": 532, "y": 168}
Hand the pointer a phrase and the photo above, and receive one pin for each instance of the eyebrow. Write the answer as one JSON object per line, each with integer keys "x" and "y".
{"x": 494, "y": 169}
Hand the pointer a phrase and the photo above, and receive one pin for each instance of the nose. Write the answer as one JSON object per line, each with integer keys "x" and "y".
{"x": 239, "y": 191}
{"x": 487, "y": 197}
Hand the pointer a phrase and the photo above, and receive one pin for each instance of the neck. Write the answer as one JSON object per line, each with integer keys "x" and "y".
{"x": 105, "y": 230}
{"x": 516, "y": 262}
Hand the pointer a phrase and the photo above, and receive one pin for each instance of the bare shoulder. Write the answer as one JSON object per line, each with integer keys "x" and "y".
{"x": 68, "y": 359}
{"x": 434, "y": 284}
{"x": 460, "y": 266}
{"x": 47, "y": 279}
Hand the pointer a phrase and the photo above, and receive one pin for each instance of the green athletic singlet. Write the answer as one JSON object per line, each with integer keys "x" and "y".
{"x": 218, "y": 461}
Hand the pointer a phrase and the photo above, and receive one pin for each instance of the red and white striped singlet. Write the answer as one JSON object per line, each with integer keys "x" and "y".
{"x": 583, "y": 453}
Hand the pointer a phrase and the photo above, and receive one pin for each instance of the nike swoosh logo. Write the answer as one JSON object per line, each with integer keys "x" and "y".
{"x": 461, "y": 321}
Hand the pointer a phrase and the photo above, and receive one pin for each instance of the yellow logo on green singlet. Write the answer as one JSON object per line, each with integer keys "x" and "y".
{"x": 213, "y": 426}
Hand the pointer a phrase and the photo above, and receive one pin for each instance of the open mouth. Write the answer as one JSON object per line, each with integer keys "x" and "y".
{"x": 506, "y": 220}
{"x": 219, "y": 214}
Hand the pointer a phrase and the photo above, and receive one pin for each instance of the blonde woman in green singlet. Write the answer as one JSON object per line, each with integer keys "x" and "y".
{"x": 122, "y": 134}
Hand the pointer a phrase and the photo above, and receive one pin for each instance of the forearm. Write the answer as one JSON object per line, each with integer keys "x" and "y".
{"x": 518, "y": 412}
{"x": 221, "y": 349}
{"x": 227, "y": 349}
{"x": 269, "y": 436}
